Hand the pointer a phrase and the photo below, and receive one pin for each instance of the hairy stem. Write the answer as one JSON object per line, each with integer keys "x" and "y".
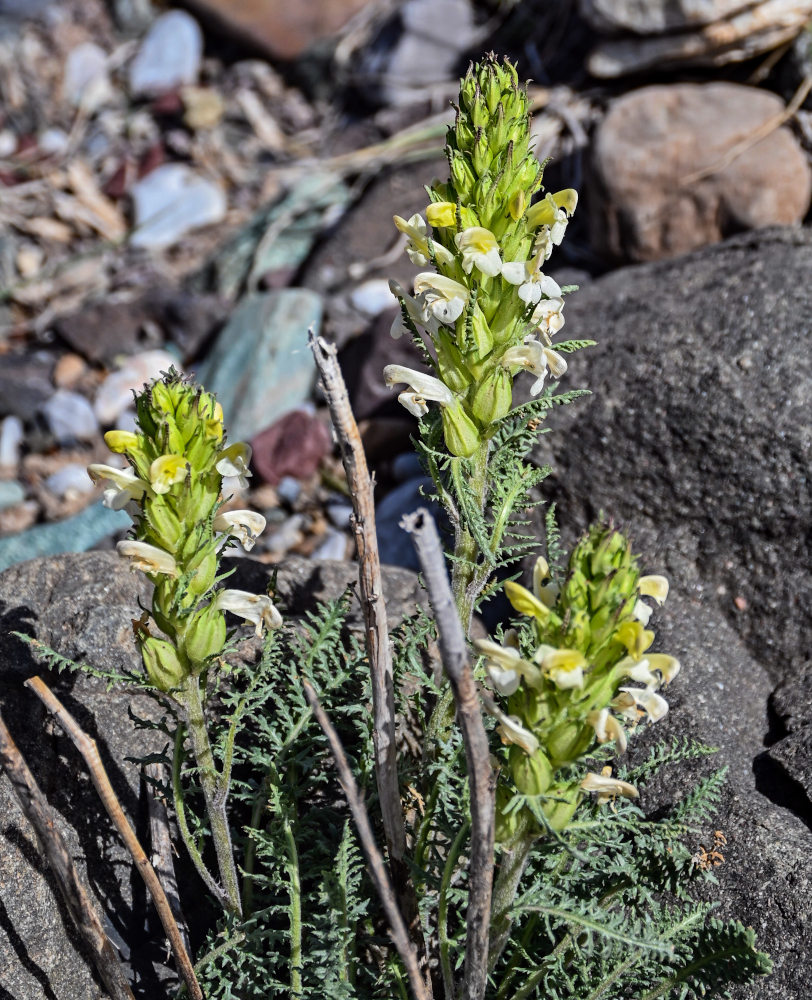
{"x": 295, "y": 912}
{"x": 442, "y": 911}
{"x": 514, "y": 861}
{"x": 215, "y": 792}
{"x": 183, "y": 826}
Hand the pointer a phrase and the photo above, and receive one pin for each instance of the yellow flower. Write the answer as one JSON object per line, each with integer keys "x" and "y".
{"x": 480, "y": 249}
{"x": 148, "y": 558}
{"x": 120, "y": 441}
{"x": 441, "y": 214}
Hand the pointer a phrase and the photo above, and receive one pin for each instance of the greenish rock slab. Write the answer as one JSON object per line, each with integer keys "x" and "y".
{"x": 11, "y": 493}
{"x": 261, "y": 366}
{"x": 75, "y": 534}
{"x": 278, "y": 237}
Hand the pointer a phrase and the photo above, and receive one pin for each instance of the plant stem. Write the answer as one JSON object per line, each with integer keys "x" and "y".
{"x": 183, "y": 826}
{"x": 215, "y": 792}
{"x": 442, "y": 911}
{"x": 514, "y": 861}
{"x": 295, "y": 912}
{"x": 466, "y": 550}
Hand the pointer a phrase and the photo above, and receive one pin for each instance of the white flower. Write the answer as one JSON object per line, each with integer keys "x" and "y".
{"x": 417, "y": 312}
{"x": 246, "y": 525}
{"x": 666, "y": 666}
{"x": 564, "y": 667}
{"x": 506, "y": 667}
{"x": 548, "y": 318}
{"x": 126, "y": 486}
{"x": 417, "y": 247}
{"x": 234, "y": 461}
{"x": 443, "y": 297}
{"x": 653, "y": 586}
{"x": 532, "y": 282}
{"x": 653, "y": 704}
{"x": 607, "y": 728}
{"x": 424, "y": 388}
{"x": 536, "y": 358}
{"x": 511, "y": 729}
{"x": 608, "y": 788}
{"x": 148, "y": 558}
{"x": 642, "y": 612}
{"x": 551, "y": 215}
{"x": 480, "y": 249}
{"x": 639, "y": 671}
{"x": 255, "y": 608}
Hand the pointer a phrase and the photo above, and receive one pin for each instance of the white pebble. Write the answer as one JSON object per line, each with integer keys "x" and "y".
{"x": 70, "y": 417}
{"x": 115, "y": 394}
{"x": 332, "y": 546}
{"x": 289, "y": 490}
{"x": 85, "y": 82}
{"x": 170, "y": 201}
{"x": 53, "y": 141}
{"x": 11, "y": 437}
{"x": 339, "y": 514}
{"x": 373, "y": 297}
{"x": 286, "y": 535}
{"x": 69, "y": 481}
{"x": 168, "y": 57}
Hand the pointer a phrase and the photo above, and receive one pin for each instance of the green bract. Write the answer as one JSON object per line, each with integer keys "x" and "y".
{"x": 489, "y": 310}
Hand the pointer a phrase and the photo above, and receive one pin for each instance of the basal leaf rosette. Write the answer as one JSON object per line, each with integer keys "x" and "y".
{"x": 580, "y": 675}
{"x": 172, "y": 488}
{"x": 487, "y": 309}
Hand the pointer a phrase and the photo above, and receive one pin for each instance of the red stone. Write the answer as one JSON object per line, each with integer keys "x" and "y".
{"x": 294, "y": 446}
{"x": 284, "y": 30}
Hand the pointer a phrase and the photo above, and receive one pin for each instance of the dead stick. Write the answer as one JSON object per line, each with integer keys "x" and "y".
{"x": 87, "y": 748}
{"x": 52, "y": 845}
{"x": 161, "y": 843}
{"x": 454, "y": 653}
{"x": 377, "y": 867}
{"x": 369, "y": 575}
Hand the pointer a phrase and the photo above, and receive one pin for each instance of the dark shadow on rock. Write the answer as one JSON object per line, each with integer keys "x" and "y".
{"x": 776, "y": 785}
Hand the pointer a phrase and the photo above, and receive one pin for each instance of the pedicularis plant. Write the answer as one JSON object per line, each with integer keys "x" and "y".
{"x": 590, "y": 897}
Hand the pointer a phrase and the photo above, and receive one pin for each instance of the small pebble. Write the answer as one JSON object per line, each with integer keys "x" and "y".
{"x": 373, "y": 297}
{"x": 204, "y": 107}
{"x": 53, "y": 141}
{"x": 288, "y": 490}
{"x": 286, "y": 535}
{"x": 339, "y": 514}
{"x": 115, "y": 394}
{"x": 168, "y": 57}
{"x": 70, "y": 417}
{"x": 86, "y": 83}
{"x": 8, "y": 143}
{"x": 332, "y": 546}
{"x": 11, "y": 437}
{"x": 170, "y": 201}
{"x": 29, "y": 260}
{"x": 69, "y": 369}
{"x": 11, "y": 493}
{"x": 69, "y": 481}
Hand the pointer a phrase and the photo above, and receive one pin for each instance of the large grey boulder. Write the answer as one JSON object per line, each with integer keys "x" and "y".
{"x": 697, "y": 440}
{"x": 82, "y": 606}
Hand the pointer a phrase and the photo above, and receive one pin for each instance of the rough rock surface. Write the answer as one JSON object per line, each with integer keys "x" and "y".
{"x": 697, "y": 440}
{"x": 667, "y": 34}
{"x": 82, "y": 605}
{"x": 678, "y": 167}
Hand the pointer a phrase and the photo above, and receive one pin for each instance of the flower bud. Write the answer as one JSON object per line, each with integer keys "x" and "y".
{"x": 461, "y": 435}
{"x": 441, "y": 213}
{"x": 493, "y": 397}
{"x": 205, "y": 634}
{"x": 162, "y": 663}
{"x": 531, "y": 773}
{"x": 121, "y": 441}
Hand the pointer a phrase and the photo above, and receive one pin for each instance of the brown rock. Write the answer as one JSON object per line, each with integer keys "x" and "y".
{"x": 293, "y": 446}
{"x": 678, "y": 167}
{"x": 283, "y": 30}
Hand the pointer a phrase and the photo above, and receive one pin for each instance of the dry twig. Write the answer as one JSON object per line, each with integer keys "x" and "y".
{"x": 52, "y": 845}
{"x": 369, "y": 575}
{"x": 377, "y": 867}
{"x": 451, "y": 640}
{"x": 87, "y": 748}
